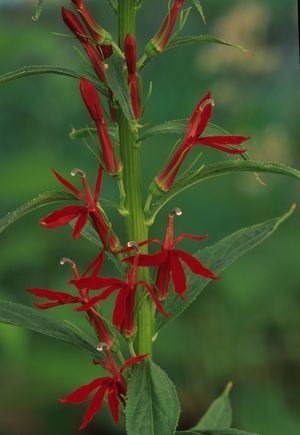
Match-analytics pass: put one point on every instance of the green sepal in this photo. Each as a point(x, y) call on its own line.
point(38, 7)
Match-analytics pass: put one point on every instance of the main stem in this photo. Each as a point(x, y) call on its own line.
point(136, 228)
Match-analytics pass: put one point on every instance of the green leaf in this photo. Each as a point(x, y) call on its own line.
point(117, 83)
point(219, 413)
point(199, 8)
point(39, 5)
point(216, 432)
point(187, 40)
point(30, 318)
point(114, 5)
point(152, 407)
point(40, 201)
point(46, 69)
point(86, 132)
point(226, 167)
point(218, 257)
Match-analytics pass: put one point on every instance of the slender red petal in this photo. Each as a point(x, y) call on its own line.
point(93, 301)
point(113, 403)
point(187, 236)
point(95, 266)
point(54, 295)
point(178, 276)
point(134, 360)
point(95, 405)
point(224, 148)
point(163, 278)
point(82, 393)
point(95, 59)
point(120, 307)
point(195, 266)
point(155, 300)
point(149, 260)
point(98, 183)
point(199, 118)
point(95, 282)
point(80, 224)
point(73, 23)
point(130, 53)
point(68, 185)
point(46, 306)
point(62, 216)
point(222, 140)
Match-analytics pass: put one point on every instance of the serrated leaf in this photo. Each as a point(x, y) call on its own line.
point(117, 83)
point(40, 201)
point(219, 414)
point(199, 8)
point(217, 258)
point(152, 407)
point(39, 5)
point(225, 167)
point(46, 69)
point(187, 40)
point(30, 318)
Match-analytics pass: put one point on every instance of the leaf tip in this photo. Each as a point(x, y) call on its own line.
point(228, 388)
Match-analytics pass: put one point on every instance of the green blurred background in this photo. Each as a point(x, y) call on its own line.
point(244, 328)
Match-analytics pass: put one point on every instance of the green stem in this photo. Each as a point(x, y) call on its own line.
point(136, 228)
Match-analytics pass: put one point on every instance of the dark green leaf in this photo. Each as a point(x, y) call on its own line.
point(40, 201)
point(30, 318)
point(225, 167)
point(186, 40)
point(118, 84)
point(219, 413)
point(114, 5)
point(39, 5)
point(199, 8)
point(218, 257)
point(152, 407)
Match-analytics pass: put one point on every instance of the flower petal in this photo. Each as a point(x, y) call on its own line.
point(113, 403)
point(145, 242)
point(68, 185)
point(149, 260)
point(98, 183)
point(81, 222)
point(188, 236)
point(199, 118)
point(47, 305)
point(222, 140)
point(52, 295)
point(134, 360)
point(96, 265)
point(195, 266)
point(155, 300)
point(95, 405)
point(62, 216)
point(82, 393)
point(120, 307)
point(95, 282)
point(178, 276)
point(93, 301)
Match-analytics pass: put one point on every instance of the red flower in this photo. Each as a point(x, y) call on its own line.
point(123, 315)
point(62, 298)
point(169, 261)
point(196, 126)
point(130, 57)
point(76, 27)
point(92, 103)
point(82, 212)
point(98, 34)
point(161, 39)
point(115, 387)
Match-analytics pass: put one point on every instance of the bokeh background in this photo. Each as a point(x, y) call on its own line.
point(245, 327)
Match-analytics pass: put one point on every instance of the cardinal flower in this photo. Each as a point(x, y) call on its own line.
point(92, 103)
point(62, 298)
point(114, 385)
point(78, 30)
point(82, 212)
point(169, 261)
point(123, 315)
point(197, 124)
point(130, 58)
point(98, 34)
point(161, 39)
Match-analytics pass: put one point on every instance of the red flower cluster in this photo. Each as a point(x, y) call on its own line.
point(197, 124)
point(82, 212)
point(114, 385)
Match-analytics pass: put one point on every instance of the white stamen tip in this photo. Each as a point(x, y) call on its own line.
point(134, 244)
point(210, 101)
point(176, 211)
point(102, 346)
point(77, 171)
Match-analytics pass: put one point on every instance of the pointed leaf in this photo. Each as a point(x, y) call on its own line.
point(152, 407)
point(86, 132)
point(219, 413)
point(187, 40)
point(39, 5)
point(199, 8)
point(40, 201)
point(30, 318)
point(117, 83)
point(217, 258)
point(114, 5)
point(225, 167)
